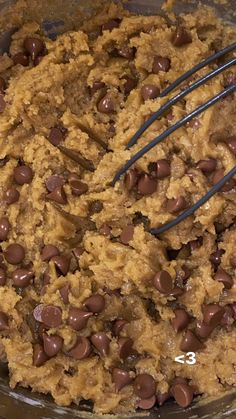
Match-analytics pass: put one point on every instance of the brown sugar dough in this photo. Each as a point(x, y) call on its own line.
point(113, 306)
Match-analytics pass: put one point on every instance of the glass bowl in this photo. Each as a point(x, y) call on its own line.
point(22, 403)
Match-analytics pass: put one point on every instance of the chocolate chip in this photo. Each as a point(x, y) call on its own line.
point(147, 185)
point(162, 169)
point(233, 306)
point(163, 282)
point(78, 319)
point(144, 386)
point(118, 326)
point(121, 378)
point(203, 330)
point(78, 251)
point(178, 380)
point(3, 321)
point(228, 316)
point(56, 136)
point(38, 60)
point(233, 261)
point(129, 85)
point(95, 303)
point(162, 398)
point(217, 176)
point(226, 279)
point(22, 277)
point(97, 85)
point(72, 176)
point(215, 257)
point(2, 85)
point(106, 104)
point(127, 234)
point(82, 349)
point(131, 179)
point(53, 182)
point(2, 103)
point(181, 320)
point(126, 52)
point(49, 251)
point(183, 394)
point(34, 47)
point(21, 58)
point(105, 230)
point(170, 117)
point(39, 356)
point(175, 205)
point(212, 314)
point(23, 175)
point(95, 207)
point(51, 316)
point(4, 228)
point(3, 277)
point(101, 342)
point(78, 188)
point(64, 291)
point(147, 404)
point(160, 64)
point(181, 37)
point(190, 342)
point(229, 79)
point(150, 91)
point(231, 143)
point(125, 347)
point(58, 195)
point(194, 124)
point(14, 253)
point(11, 196)
point(207, 166)
point(62, 264)
point(111, 24)
point(52, 344)
point(37, 313)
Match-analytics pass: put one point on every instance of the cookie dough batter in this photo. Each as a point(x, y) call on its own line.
point(92, 306)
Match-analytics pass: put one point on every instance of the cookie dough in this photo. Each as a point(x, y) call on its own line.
point(92, 306)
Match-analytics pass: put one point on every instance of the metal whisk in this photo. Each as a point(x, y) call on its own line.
point(190, 211)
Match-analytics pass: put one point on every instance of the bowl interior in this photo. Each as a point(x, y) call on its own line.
point(22, 403)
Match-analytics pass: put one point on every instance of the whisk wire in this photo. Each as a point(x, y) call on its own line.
point(173, 128)
point(196, 206)
point(227, 91)
point(178, 97)
point(198, 67)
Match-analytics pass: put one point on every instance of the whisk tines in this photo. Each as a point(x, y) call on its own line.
point(187, 118)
